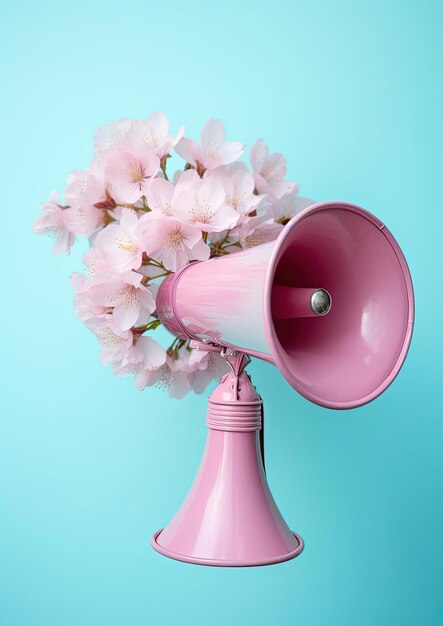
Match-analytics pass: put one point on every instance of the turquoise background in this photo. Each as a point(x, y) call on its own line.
point(351, 93)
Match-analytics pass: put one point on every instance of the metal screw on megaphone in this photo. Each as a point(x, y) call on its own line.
point(293, 302)
point(321, 302)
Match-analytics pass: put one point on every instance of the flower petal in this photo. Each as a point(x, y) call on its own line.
point(212, 136)
point(229, 152)
point(200, 251)
point(258, 155)
point(159, 196)
point(159, 123)
point(154, 356)
point(225, 218)
point(188, 149)
point(211, 194)
point(126, 313)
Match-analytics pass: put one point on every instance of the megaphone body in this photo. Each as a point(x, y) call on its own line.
point(330, 303)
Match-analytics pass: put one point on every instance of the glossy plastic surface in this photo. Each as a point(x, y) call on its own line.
point(341, 360)
point(220, 300)
point(229, 517)
point(349, 356)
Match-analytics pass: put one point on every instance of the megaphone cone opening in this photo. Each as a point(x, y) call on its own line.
point(348, 357)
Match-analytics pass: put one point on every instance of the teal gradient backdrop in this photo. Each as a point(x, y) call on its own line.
point(351, 93)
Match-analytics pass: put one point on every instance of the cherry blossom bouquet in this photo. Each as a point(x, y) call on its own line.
point(141, 226)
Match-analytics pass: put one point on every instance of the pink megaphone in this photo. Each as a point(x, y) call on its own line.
point(330, 303)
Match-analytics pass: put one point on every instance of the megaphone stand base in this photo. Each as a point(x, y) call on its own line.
point(229, 517)
point(226, 563)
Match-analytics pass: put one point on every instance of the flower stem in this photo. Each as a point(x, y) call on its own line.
point(126, 205)
point(175, 346)
point(160, 275)
point(154, 263)
point(139, 330)
point(163, 166)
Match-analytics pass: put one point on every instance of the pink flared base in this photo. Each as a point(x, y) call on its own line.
point(229, 517)
point(280, 558)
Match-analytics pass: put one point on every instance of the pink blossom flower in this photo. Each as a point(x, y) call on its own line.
point(164, 198)
point(126, 353)
point(213, 151)
point(186, 180)
point(130, 174)
point(97, 168)
point(238, 184)
point(111, 134)
point(253, 231)
point(121, 245)
point(154, 356)
point(82, 218)
point(95, 262)
point(141, 227)
point(115, 344)
point(208, 210)
point(189, 369)
point(269, 170)
point(83, 287)
point(152, 135)
point(83, 303)
point(145, 356)
point(131, 302)
point(174, 243)
point(83, 184)
point(208, 366)
point(284, 208)
point(52, 221)
point(169, 377)
point(82, 192)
